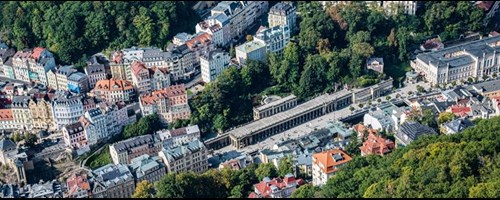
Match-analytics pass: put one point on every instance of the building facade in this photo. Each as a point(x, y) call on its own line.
point(114, 90)
point(191, 156)
point(179, 136)
point(74, 135)
point(113, 181)
point(67, 110)
point(459, 63)
point(170, 103)
point(95, 126)
point(275, 38)
point(283, 14)
point(147, 168)
point(326, 164)
point(253, 50)
point(213, 64)
point(124, 151)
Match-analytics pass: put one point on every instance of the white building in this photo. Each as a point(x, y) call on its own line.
point(190, 156)
point(213, 64)
point(179, 136)
point(253, 50)
point(283, 14)
point(241, 14)
point(62, 75)
point(67, 110)
point(461, 62)
point(95, 126)
point(218, 27)
point(275, 38)
point(116, 116)
point(410, 7)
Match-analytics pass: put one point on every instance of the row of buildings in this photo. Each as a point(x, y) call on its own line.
point(390, 7)
point(147, 157)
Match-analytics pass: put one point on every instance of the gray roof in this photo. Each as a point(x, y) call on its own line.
point(77, 76)
point(257, 125)
point(66, 70)
point(281, 8)
point(471, 49)
point(111, 174)
point(95, 69)
point(410, 131)
point(458, 125)
point(271, 34)
point(130, 143)
point(94, 112)
point(212, 54)
point(74, 128)
point(178, 152)
point(457, 93)
point(221, 18)
point(20, 101)
point(141, 165)
point(7, 144)
point(488, 86)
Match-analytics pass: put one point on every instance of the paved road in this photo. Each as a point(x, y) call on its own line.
point(318, 123)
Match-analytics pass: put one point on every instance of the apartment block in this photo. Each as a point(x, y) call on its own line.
point(283, 14)
point(213, 64)
point(191, 156)
point(326, 164)
point(170, 103)
point(124, 151)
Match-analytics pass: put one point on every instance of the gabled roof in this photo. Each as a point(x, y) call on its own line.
point(458, 125)
point(7, 144)
point(6, 115)
point(331, 158)
point(410, 131)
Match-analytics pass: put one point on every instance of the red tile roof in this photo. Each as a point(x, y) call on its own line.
point(494, 33)
point(461, 111)
point(6, 115)
point(137, 66)
point(376, 145)
point(326, 159)
point(113, 85)
point(202, 39)
point(169, 92)
point(264, 188)
point(37, 52)
point(77, 181)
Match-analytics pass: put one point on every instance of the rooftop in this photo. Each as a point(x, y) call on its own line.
point(277, 102)
point(110, 174)
point(461, 54)
point(178, 152)
point(330, 159)
point(130, 143)
point(250, 46)
point(410, 131)
point(248, 129)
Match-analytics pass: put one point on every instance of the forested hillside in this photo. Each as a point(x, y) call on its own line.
point(74, 30)
point(458, 166)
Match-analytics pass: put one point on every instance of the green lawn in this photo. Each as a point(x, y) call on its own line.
point(100, 159)
point(189, 92)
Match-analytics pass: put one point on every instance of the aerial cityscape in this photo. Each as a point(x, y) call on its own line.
point(249, 99)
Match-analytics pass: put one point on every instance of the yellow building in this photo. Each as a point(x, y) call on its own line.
point(41, 112)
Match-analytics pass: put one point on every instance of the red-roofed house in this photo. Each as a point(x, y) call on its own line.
point(78, 186)
point(6, 119)
point(276, 188)
point(376, 145)
point(201, 45)
point(325, 164)
point(460, 111)
point(170, 103)
point(362, 130)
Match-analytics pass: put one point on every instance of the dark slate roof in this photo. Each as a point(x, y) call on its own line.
point(74, 128)
point(474, 48)
point(20, 101)
point(6, 144)
point(459, 125)
point(126, 145)
point(410, 131)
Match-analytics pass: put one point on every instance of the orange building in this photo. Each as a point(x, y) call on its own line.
point(114, 90)
point(326, 164)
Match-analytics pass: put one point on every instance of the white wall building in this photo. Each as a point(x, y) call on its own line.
point(253, 50)
point(213, 64)
point(67, 110)
point(95, 126)
point(275, 38)
point(283, 14)
point(179, 136)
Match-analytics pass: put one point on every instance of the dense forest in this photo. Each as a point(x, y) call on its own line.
point(74, 30)
point(331, 47)
point(462, 165)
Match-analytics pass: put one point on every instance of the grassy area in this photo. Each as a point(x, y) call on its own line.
point(189, 92)
point(100, 159)
point(397, 70)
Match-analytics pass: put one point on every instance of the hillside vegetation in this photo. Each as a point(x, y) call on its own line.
point(457, 166)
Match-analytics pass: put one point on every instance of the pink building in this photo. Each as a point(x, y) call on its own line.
point(74, 135)
point(276, 188)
